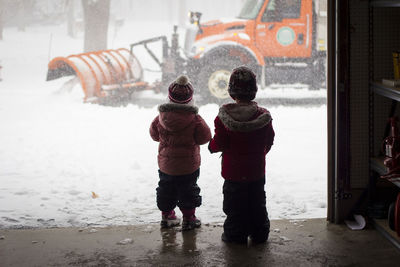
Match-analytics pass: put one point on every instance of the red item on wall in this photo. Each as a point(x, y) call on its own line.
point(391, 147)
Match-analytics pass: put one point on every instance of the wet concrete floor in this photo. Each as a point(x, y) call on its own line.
point(311, 242)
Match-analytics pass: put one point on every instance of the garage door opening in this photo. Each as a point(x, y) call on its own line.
point(67, 162)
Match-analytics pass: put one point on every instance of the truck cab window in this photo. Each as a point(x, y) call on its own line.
point(251, 9)
point(277, 10)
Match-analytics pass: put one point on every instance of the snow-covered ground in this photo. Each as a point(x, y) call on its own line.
point(57, 152)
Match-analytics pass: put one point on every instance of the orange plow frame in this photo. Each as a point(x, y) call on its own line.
point(100, 72)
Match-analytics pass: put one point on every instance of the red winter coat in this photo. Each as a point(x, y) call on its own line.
point(180, 131)
point(244, 134)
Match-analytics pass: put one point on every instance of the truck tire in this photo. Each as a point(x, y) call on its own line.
point(214, 80)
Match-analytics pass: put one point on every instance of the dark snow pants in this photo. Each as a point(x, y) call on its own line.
point(179, 190)
point(246, 213)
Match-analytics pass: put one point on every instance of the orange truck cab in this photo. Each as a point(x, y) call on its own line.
point(276, 38)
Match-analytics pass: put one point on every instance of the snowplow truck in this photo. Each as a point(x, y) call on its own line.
point(277, 39)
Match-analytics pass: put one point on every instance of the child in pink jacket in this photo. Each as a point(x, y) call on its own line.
point(180, 130)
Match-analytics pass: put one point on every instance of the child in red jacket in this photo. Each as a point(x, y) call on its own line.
point(244, 134)
point(180, 130)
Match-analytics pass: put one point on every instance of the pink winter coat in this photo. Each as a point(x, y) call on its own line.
point(180, 131)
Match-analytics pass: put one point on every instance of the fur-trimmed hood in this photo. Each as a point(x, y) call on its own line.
point(175, 117)
point(167, 107)
point(241, 117)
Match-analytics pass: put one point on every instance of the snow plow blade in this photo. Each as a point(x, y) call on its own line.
point(105, 76)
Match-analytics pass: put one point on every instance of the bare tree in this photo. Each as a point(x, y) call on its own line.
point(69, 4)
point(96, 15)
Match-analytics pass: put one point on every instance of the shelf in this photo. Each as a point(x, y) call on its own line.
point(378, 167)
point(383, 36)
point(387, 91)
point(385, 3)
point(382, 226)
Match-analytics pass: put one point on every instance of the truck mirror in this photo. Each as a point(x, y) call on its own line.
point(191, 19)
point(194, 17)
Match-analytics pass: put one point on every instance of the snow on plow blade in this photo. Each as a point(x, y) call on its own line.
point(108, 75)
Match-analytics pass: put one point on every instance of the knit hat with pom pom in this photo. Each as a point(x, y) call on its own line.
point(181, 90)
point(242, 84)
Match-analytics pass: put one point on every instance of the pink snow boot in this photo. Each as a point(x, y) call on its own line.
point(189, 221)
point(169, 219)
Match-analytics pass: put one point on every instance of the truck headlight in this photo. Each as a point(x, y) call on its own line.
point(197, 49)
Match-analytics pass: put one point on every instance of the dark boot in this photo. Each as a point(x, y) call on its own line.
point(228, 239)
